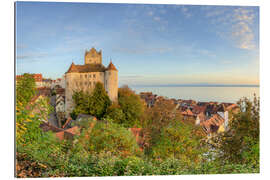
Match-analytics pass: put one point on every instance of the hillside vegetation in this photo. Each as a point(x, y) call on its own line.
point(107, 147)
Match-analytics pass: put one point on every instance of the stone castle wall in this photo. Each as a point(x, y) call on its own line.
point(80, 81)
point(92, 57)
point(111, 84)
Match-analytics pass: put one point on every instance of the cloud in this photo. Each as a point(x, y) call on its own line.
point(32, 55)
point(235, 24)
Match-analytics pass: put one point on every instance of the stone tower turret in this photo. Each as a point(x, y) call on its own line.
point(92, 57)
point(111, 82)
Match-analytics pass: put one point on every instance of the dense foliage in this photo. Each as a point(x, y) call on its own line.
point(95, 103)
point(240, 144)
point(180, 141)
point(25, 89)
point(105, 136)
point(131, 106)
point(107, 148)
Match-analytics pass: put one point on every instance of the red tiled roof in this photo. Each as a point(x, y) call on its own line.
point(230, 107)
point(188, 112)
point(215, 121)
point(68, 133)
point(111, 67)
point(60, 135)
point(86, 68)
point(74, 130)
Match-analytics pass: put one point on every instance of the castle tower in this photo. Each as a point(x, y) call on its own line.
point(92, 57)
point(111, 82)
point(84, 78)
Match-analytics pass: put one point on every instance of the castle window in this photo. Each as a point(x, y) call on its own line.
point(89, 75)
point(86, 76)
point(67, 84)
point(90, 83)
point(81, 83)
point(94, 76)
point(85, 83)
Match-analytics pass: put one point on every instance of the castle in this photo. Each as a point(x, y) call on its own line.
point(84, 77)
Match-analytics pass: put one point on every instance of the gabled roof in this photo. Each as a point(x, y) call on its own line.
point(212, 124)
point(86, 68)
point(48, 127)
point(68, 133)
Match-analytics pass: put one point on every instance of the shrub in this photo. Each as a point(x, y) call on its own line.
point(108, 137)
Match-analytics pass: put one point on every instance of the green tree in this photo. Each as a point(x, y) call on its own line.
point(100, 101)
point(115, 113)
point(181, 141)
point(95, 104)
point(240, 144)
point(82, 103)
point(131, 105)
point(105, 136)
point(157, 117)
point(25, 89)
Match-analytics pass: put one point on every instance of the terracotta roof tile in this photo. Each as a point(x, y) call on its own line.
point(86, 68)
point(111, 67)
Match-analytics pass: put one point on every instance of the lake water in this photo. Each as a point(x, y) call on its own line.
point(218, 94)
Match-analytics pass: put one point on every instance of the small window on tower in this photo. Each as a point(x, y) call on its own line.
point(86, 76)
point(89, 75)
point(94, 76)
point(90, 83)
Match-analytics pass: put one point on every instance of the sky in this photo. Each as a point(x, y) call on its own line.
point(149, 44)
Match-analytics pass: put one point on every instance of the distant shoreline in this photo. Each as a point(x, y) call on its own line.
point(195, 85)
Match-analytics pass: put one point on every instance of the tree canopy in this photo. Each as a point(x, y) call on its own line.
point(240, 144)
point(25, 89)
point(95, 103)
point(131, 105)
